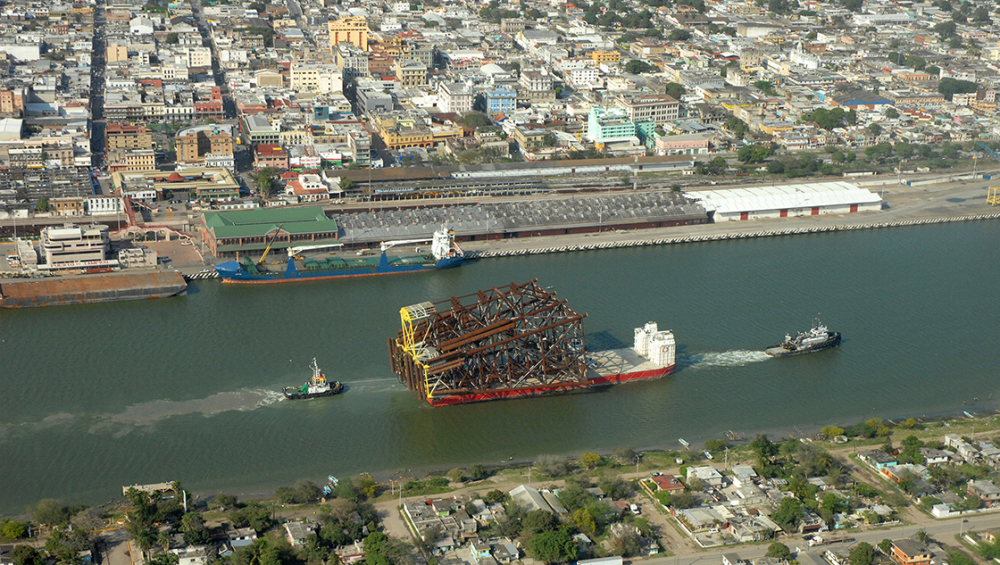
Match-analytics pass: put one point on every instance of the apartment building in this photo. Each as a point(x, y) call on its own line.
point(660, 108)
point(349, 29)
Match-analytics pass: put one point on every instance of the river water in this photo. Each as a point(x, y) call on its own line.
point(99, 396)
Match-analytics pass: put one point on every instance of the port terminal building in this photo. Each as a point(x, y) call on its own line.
point(234, 234)
point(792, 200)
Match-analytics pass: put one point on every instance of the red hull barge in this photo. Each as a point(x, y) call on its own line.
point(597, 382)
point(512, 342)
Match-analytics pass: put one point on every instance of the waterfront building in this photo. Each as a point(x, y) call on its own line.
point(233, 234)
point(74, 243)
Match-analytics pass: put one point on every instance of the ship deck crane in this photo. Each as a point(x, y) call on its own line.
point(267, 249)
point(385, 245)
point(992, 192)
point(294, 251)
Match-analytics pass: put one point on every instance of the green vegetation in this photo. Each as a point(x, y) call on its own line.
point(752, 154)
point(830, 119)
point(303, 492)
point(766, 87)
point(862, 554)
point(950, 87)
point(675, 91)
point(738, 127)
point(638, 67)
point(266, 180)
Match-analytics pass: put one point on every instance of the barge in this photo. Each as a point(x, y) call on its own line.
point(513, 342)
point(90, 289)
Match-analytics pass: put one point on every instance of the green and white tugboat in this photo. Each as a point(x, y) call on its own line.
point(315, 387)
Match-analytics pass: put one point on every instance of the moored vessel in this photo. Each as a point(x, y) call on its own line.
point(306, 263)
point(816, 339)
point(316, 387)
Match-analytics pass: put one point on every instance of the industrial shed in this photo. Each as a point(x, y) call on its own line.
point(760, 202)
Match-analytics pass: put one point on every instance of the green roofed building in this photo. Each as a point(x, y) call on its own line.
point(233, 234)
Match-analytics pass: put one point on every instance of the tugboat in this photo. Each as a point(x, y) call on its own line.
point(816, 339)
point(315, 387)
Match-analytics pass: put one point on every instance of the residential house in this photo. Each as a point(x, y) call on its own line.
point(910, 552)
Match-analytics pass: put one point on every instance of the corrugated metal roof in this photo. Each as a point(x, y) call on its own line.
point(790, 196)
point(262, 221)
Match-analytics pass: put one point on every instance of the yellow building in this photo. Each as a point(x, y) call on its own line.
point(349, 29)
point(399, 133)
point(606, 57)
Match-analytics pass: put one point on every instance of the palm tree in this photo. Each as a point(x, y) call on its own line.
point(164, 539)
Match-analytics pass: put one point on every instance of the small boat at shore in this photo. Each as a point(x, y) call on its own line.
point(816, 339)
point(316, 387)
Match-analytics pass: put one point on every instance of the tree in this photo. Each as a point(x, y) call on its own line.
point(549, 140)
point(678, 34)
point(766, 87)
point(833, 431)
point(862, 554)
point(775, 167)
point(778, 550)
point(752, 154)
point(538, 521)
point(552, 466)
point(584, 521)
point(716, 444)
point(42, 205)
point(591, 459)
point(626, 542)
point(875, 129)
point(891, 113)
point(737, 126)
point(226, 501)
point(789, 513)
point(664, 498)
point(172, 38)
point(26, 555)
point(496, 496)
point(933, 70)
point(945, 29)
point(477, 472)
point(675, 91)
point(682, 500)
point(475, 120)
point(347, 184)
point(949, 87)
point(637, 67)
point(13, 529)
point(556, 546)
point(625, 455)
point(265, 179)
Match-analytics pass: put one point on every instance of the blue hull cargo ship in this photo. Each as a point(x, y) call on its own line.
point(444, 254)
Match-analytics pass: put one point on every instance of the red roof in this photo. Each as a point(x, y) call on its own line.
point(286, 175)
point(668, 482)
point(174, 177)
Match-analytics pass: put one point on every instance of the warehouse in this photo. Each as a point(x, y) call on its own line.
point(232, 234)
point(762, 202)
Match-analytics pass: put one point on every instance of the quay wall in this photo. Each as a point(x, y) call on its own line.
point(724, 237)
point(692, 239)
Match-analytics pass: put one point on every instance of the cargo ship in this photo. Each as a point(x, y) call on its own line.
point(514, 342)
point(315, 387)
point(307, 263)
point(818, 338)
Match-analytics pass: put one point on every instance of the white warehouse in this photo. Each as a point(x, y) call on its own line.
point(760, 202)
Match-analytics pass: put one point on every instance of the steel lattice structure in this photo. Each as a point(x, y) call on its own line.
point(499, 340)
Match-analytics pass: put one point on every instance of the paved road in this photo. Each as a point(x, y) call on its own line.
point(943, 531)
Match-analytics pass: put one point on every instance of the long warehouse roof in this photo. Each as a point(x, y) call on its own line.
point(789, 196)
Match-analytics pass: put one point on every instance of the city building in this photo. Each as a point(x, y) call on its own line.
point(205, 146)
point(609, 125)
point(411, 73)
point(455, 97)
point(127, 136)
point(267, 155)
point(660, 108)
point(315, 77)
point(122, 159)
point(71, 243)
point(500, 100)
point(349, 29)
point(258, 129)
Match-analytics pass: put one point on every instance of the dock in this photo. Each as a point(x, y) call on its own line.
point(90, 289)
point(151, 488)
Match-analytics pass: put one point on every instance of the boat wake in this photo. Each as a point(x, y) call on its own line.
point(146, 413)
point(737, 358)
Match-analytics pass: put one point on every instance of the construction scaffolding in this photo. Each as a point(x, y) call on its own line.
point(490, 344)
